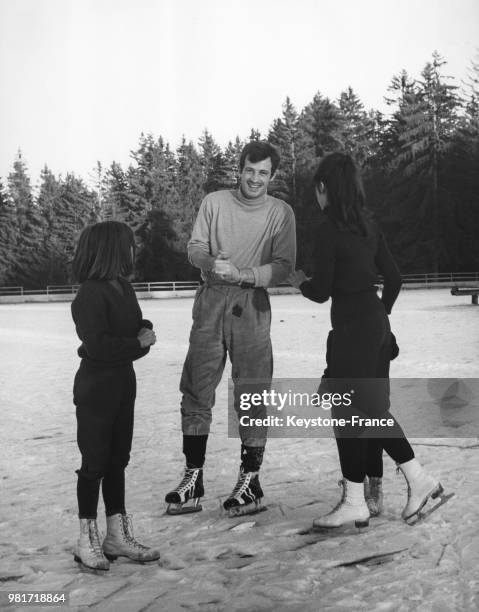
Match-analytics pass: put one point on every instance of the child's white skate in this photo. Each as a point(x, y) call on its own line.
point(89, 553)
point(421, 487)
point(423, 512)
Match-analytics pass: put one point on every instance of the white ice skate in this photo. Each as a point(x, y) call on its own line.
point(421, 487)
point(120, 542)
point(89, 552)
point(351, 508)
point(186, 497)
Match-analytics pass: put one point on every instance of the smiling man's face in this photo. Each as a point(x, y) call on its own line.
point(255, 178)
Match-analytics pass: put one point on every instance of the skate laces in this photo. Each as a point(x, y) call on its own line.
point(128, 532)
point(343, 497)
point(188, 481)
point(399, 471)
point(95, 538)
point(242, 484)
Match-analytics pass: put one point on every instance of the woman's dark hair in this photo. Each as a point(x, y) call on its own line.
point(346, 201)
point(104, 252)
point(256, 151)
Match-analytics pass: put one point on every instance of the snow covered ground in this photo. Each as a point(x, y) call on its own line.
point(209, 562)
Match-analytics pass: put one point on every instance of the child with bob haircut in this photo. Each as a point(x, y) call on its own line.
point(113, 333)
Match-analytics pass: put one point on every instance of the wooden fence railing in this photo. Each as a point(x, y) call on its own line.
point(445, 279)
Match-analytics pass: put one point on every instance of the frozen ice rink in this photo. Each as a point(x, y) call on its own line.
point(209, 562)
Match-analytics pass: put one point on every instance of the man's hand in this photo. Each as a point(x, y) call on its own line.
point(297, 278)
point(225, 269)
point(146, 337)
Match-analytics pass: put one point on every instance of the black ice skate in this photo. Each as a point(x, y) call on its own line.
point(246, 497)
point(186, 497)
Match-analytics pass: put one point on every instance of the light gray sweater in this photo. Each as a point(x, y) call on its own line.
point(258, 234)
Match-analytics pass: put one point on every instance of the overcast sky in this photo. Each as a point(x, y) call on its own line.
point(81, 79)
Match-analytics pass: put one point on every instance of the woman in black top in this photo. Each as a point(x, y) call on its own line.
point(113, 333)
point(350, 249)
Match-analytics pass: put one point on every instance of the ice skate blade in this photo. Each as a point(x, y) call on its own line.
point(88, 567)
point(177, 509)
point(421, 515)
point(359, 525)
point(248, 509)
point(113, 558)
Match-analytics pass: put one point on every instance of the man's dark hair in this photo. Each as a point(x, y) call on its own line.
point(104, 252)
point(256, 151)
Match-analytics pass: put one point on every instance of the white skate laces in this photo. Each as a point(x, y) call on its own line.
point(120, 541)
point(351, 508)
point(187, 484)
point(247, 495)
point(95, 539)
point(343, 497)
point(127, 528)
point(242, 491)
point(89, 551)
point(185, 497)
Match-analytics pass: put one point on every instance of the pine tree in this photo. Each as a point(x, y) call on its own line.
point(28, 257)
point(8, 235)
point(469, 123)
point(50, 204)
point(156, 208)
point(98, 181)
point(152, 181)
point(189, 185)
point(283, 135)
point(358, 128)
point(402, 95)
point(231, 162)
point(460, 171)
point(428, 116)
point(158, 260)
point(116, 194)
point(75, 208)
point(143, 189)
point(140, 179)
point(216, 171)
point(319, 127)
point(20, 188)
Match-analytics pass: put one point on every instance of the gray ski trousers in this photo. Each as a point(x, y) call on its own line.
point(226, 320)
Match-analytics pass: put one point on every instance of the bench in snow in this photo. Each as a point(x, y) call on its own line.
point(473, 291)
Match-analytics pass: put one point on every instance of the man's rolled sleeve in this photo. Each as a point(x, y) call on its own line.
point(283, 255)
point(199, 245)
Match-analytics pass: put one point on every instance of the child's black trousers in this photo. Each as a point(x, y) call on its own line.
point(104, 398)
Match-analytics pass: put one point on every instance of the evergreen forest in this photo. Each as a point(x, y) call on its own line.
point(420, 164)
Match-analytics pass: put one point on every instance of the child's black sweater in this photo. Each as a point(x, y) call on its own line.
point(346, 268)
point(108, 323)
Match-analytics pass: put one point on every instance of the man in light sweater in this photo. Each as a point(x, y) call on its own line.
point(243, 241)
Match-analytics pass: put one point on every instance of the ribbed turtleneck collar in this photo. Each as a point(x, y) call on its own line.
point(250, 201)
